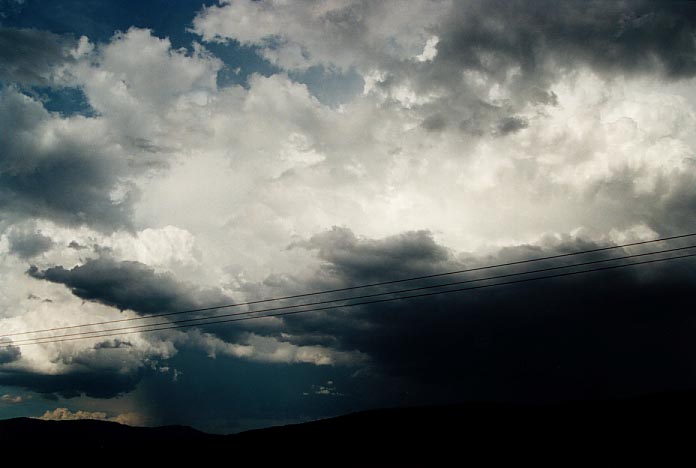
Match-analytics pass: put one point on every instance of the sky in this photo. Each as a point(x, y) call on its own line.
point(159, 156)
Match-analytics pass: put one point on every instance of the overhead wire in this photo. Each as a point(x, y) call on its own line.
point(348, 288)
point(175, 325)
point(367, 296)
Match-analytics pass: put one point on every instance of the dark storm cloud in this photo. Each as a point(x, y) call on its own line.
point(599, 334)
point(434, 123)
point(67, 178)
point(28, 244)
point(28, 56)
point(94, 383)
point(349, 256)
point(538, 37)
point(527, 46)
point(130, 285)
point(113, 344)
point(511, 125)
point(8, 353)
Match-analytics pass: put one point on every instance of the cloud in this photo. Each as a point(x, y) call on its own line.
point(30, 56)
point(8, 352)
point(82, 170)
point(628, 37)
point(346, 254)
point(28, 244)
point(130, 285)
point(492, 37)
point(12, 399)
point(551, 339)
point(93, 379)
point(262, 347)
point(434, 122)
point(511, 125)
point(484, 131)
point(485, 59)
point(344, 34)
point(327, 389)
point(142, 86)
point(130, 419)
point(59, 169)
point(98, 367)
point(64, 414)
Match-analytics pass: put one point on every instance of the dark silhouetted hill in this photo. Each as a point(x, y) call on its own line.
point(656, 428)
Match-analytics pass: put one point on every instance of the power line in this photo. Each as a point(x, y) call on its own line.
point(171, 325)
point(365, 296)
point(351, 288)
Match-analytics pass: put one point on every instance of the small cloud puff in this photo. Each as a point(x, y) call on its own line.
point(64, 414)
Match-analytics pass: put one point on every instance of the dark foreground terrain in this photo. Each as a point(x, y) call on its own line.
point(658, 429)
